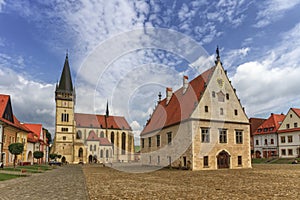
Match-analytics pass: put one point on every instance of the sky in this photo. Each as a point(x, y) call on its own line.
point(126, 52)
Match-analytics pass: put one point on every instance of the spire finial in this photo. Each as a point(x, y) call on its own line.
point(159, 96)
point(67, 53)
point(107, 111)
point(218, 53)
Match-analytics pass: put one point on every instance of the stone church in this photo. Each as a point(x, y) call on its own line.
point(88, 138)
point(200, 126)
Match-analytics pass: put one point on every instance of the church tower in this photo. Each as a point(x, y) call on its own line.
point(64, 118)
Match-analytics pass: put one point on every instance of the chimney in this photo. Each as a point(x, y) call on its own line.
point(168, 94)
point(185, 83)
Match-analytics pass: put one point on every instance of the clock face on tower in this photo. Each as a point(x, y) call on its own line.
point(220, 82)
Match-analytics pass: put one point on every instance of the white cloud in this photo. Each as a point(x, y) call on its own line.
point(272, 83)
point(32, 101)
point(272, 10)
point(2, 4)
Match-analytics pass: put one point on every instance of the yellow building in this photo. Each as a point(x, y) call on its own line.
point(87, 137)
point(200, 126)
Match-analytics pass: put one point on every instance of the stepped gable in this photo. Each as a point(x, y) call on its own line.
point(181, 105)
point(270, 125)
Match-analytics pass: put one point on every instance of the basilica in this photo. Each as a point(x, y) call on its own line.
point(88, 138)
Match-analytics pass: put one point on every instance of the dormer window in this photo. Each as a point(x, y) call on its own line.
point(271, 129)
point(259, 130)
point(265, 129)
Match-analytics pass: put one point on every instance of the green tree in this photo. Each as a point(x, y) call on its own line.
point(53, 156)
point(38, 155)
point(48, 136)
point(16, 149)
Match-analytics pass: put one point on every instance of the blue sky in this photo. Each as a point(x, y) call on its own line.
point(258, 40)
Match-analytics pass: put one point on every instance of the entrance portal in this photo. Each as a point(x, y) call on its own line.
point(90, 158)
point(223, 159)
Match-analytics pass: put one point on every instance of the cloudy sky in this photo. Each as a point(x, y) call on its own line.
point(125, 52)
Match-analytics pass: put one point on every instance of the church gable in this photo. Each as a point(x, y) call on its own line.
point(219, 101)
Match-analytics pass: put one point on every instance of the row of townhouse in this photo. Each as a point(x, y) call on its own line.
point(33, 136)
point(278, 136)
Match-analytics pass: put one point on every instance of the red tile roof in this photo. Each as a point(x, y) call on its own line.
point(4, 100)
point(102, 141)
point(98, 121)
point(271, 125)
point(180, 106)
point(254, 124)
point(297, 111)
point(36, 130)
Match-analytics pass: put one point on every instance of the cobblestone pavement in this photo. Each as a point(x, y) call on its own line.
point(65, 182)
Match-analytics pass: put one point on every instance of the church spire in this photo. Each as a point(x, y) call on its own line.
point(65, 83)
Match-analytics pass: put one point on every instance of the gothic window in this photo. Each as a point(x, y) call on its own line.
point(80, 153)
point(123, 143)
point(107, 153)
point(102, 134)
point(78, 135)
point(64, 117)
point(112, 137)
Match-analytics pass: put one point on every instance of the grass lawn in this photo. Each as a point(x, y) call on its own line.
point(30, 168)
point(4, 177)
point(274, 160)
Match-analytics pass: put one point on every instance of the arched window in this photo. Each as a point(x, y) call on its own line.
point(102, 134)
point(80, 153)
point(112, 137)
point(78, 135)
point(107, 153)
point(101, 153)
point(123, 143)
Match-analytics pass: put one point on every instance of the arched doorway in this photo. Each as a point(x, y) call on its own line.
point(223, 159)
point(90, 158)
point(80, 154)
point(257, 154)
point(29, 157)
point(63, 159)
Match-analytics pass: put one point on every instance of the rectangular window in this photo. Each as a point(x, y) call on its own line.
point(206, 108)
point(239, 137)
point(205, 135)
point(257, 142)
point(290, 139)
point(272, 141)
point(64, 137)
point(149, 142)
point(227, 96)
point(222, 136)
point(64, 129)
point(287, 126)
point(295, 125)
point(64, 117)
point(169, 137)
point(143, 142)
point(282, 139)
point(205, 161)
point(221, 111)
point(283, 152)
point(266, 141)
point(240, 160)
point(290, 152)
point(158, 140)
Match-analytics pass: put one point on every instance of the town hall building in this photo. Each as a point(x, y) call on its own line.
point(200, 126)
point(88, 138)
